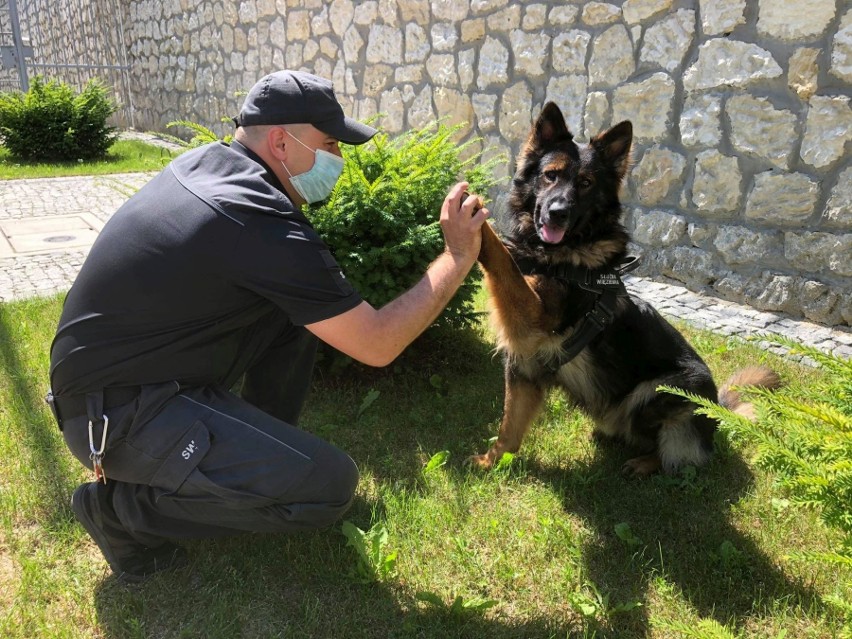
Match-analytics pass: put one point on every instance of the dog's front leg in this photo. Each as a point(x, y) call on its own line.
point(518, 312)
point(521, 406)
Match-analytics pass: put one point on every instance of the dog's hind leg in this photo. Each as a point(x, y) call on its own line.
point(522, 404)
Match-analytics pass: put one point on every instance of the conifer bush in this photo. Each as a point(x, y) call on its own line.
point(805, 438)
point(52, 123)
point(381, 220)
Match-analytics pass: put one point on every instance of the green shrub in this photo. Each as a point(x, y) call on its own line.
point(381, 220)
point(50, 123)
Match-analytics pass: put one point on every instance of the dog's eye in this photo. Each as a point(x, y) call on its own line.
point(585, 183)
point(551, 176)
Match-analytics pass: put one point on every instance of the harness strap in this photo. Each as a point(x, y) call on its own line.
point(607, 287)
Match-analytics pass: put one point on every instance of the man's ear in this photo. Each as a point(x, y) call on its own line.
point(276, 142)
point(614, 146)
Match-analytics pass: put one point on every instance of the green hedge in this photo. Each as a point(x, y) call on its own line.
point(381, 220)
point(51, 123)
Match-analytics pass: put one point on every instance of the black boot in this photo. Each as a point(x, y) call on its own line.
point(130, 560)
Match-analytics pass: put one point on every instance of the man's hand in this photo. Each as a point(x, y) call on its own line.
point(461, 223)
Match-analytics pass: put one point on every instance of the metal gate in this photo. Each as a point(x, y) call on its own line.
point(68, 40)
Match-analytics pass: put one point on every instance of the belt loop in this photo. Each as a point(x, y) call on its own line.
point(95, 406)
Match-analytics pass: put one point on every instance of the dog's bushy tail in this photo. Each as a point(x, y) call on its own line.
point(760, 376)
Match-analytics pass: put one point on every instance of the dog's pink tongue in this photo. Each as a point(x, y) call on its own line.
point(552, 235)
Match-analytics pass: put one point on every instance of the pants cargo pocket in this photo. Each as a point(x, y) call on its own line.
point(183, 458)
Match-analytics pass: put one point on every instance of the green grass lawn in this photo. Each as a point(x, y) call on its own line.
point(125, 156)
point(554, 544)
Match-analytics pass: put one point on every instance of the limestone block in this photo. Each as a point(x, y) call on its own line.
point(320, 24)
point(636, 11)
point(341, 13)
point(815, 251)
point(530, 51)
point(388, 11)
point(569, 93)
point(658, 228)
point(827, 130)
point(384, 45)
point(699, 120)
point(775, 293)
point(417, 45)
point(310, 51)
point(420, 113)
point(277, 34)
point(266, 8)
point(597, 114)
point(472, 30)
point(597, 13)
point(819, 303)
point(366, 13)
point(409, 73)
point(690, 265)
point(298, 26)
point(450, 10)
point(353, 43)
point(723, 62)
point(841, 50)
point(647, 104)
point(612, 57)
point(366, 108)
point(505, 20)
point(493, 64)
point(782, 199)
point(838, 211)
point(456, 107)
point(515, 112)
point(444, 36)
point(666, 42)
point(698, 233)
point(485, 6)
point(465, 68)
point(484, 106)
point(376, 78)
point(762, 130)
point(656, 173)
point(534, 17)
point(248, 12)
point(739, 245)
point(569, 51)
point(328, 47)
point(563, 16)
point(442, 69)
point(418, 11)
point(799, 20)
point(803, 73)
point(717, 187)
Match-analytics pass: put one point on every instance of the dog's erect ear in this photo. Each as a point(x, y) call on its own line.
point(550, 127)
point(615, 145)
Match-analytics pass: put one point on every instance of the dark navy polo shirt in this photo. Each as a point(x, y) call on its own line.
point(188, 271)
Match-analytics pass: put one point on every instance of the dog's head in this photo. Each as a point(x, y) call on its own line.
point(565, 194)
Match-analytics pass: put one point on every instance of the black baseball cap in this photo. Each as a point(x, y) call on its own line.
point(296, 97)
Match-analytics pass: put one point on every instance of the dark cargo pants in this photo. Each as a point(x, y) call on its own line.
point(203, 462)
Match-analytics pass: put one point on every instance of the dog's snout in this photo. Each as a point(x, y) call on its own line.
point(558, 211)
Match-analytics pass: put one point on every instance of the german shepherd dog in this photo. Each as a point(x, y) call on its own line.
point(564, 319)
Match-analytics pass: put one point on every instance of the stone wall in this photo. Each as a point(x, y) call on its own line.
point(742, 178)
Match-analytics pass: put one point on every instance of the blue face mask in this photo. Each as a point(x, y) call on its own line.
point(317, 183)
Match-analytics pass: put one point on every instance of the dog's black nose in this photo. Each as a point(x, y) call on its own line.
point(558, 212)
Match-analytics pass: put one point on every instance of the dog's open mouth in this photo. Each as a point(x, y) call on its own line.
point(551, 234)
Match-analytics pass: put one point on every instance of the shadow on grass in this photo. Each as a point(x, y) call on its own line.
point(679, 538)
point(40, 439)
point(294, 586)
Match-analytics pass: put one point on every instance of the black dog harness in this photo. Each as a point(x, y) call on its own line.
point(607, 287)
